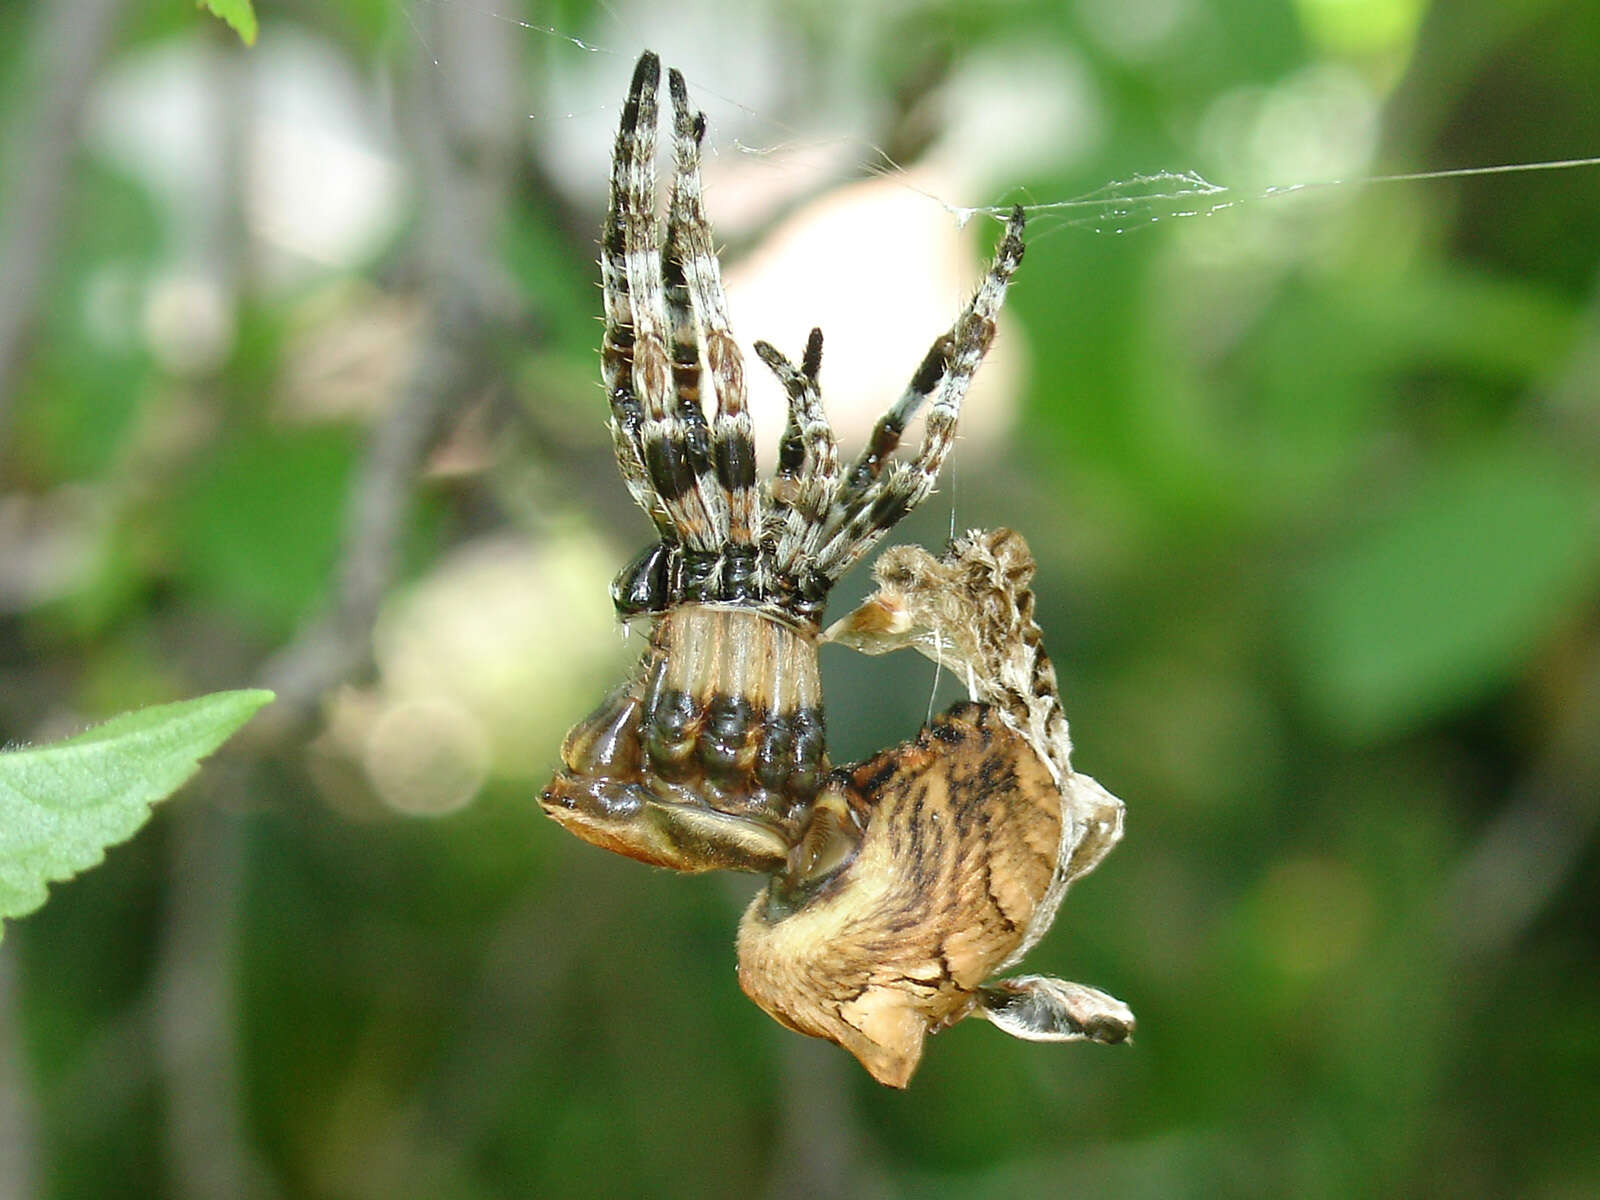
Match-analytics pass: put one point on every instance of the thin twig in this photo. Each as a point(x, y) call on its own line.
point(17, 1118)
point(1533, 845)
point(1528, 853)
point(822, 1149)
point(338, 645)
point(193, 1004)
point(467, 301)
point(68, 45)
point(195, 1008)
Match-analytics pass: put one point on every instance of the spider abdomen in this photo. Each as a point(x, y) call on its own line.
point(710, 755)
point(957, 840)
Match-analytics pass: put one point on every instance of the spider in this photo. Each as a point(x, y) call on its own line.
point(710, 755)
point(898, 885)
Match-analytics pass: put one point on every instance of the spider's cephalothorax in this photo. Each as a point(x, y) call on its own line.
point(711, 753)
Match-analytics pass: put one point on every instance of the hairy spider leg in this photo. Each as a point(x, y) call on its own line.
point(693, 432)
point(886, 434)
point(733, 449)
point(854, 529)
point(806, 482)
point(671, 473)
point(620, 337)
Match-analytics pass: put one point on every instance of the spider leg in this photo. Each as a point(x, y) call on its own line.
point(733, 453)
point(886, 434)
point(866, 515)
point(664, 437)
point(806, 482)
point(695, 434)
point(620, 338)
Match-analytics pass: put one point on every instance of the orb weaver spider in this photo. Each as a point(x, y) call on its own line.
point(899, 885)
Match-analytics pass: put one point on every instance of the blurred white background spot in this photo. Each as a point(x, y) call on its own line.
point(323, 187)
point(514, 636)
point(426, 757)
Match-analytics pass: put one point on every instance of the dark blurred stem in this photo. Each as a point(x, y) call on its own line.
point(1532, 847)
point(463, 147)
point(820, 1150)
point(69, 41)
point(475, 1075)
point(194, 1006)
point(1530, 850)
point(196, 1012)
point(467, 300)
point(16, 1114)
point(338, 644)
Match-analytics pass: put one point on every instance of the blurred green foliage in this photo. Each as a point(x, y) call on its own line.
point(1314, 482)
point(239, 16)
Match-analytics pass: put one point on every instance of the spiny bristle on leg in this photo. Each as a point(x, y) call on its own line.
point(617, 344)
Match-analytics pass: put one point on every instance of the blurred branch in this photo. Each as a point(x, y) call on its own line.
point(16, 1116)
point(194, 1004)
point(195, 1008)
point(1531, 848)
point(474, 1074)
point(1573, 396)
point(69, 43)
point(338, 644)
point(821, 1149)
point(463, 191)
point(210, 1149)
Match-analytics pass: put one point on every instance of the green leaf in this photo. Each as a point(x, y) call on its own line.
point(1446, 595)
point(238, 14)
point(62, 805)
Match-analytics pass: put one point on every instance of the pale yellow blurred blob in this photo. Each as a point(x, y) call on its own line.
point(350, 348)
point(427, 757)
point(188, 322)
point(885, 265)
point(482, 666)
